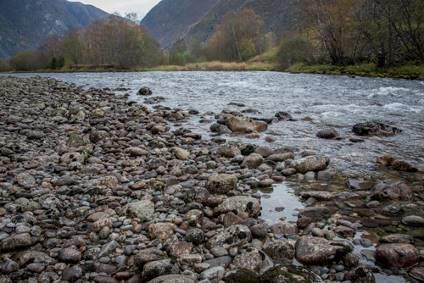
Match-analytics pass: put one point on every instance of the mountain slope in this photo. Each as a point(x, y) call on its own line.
point(168, 16)
point(172, 19)
point(25, 24)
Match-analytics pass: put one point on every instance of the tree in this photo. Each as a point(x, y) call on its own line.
point(238, 37)
point(294, 50)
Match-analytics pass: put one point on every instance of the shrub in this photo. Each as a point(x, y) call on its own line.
point(293, 51)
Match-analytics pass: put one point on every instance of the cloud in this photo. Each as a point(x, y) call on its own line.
point(141, 7)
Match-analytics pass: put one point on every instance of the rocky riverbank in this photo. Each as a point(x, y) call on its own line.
point(95, 188)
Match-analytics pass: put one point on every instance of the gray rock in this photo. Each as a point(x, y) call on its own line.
point(314, 251)
point(413, 220)
point(235, 235)
point(240, 204)
point(155, 269)
point(396, 255)
point(253, 161)
point(16, 241)
point(222, 183)
point(70, 255)
point(144, 210)
point(172, 278)
point(215, 273)
point(311, 163)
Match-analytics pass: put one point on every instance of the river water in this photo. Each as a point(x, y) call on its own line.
point(315, 101)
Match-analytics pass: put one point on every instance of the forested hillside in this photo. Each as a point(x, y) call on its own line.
point(25, 24)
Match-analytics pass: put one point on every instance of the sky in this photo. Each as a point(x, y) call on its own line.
point(141, 7)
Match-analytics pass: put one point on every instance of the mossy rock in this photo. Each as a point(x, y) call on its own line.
point(243, 276)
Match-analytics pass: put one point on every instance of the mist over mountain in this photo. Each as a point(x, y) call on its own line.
point(26, 24)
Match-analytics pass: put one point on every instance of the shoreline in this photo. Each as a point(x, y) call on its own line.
point(98, 188)
point(412, 72)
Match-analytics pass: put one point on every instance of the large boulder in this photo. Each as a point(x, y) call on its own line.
point(396, 255)
point(311, 163)
point(144, 210)
point(314, 251)
point(374, 128)
point(241, 205)
point(244, 125)
point(221, 183)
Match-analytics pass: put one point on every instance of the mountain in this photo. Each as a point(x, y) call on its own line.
point(26, 24)
point(172, 19)
point(196, 20)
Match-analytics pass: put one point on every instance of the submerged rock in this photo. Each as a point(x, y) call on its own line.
point(145, 91)
point(328, 134)
point(375, 128)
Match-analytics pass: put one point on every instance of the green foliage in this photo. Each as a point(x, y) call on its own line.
point(294, 50)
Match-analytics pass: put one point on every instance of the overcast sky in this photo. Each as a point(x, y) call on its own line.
point(141, 7)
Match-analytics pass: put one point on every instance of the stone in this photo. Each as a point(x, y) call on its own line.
point(144, 210)
point(284, 229)
point(312, 214)
point(72, 273)
point(413, 220)
point(181, 153)
point(162, 231)
point(314, 251)
point(417, 273)
point(396, 255)
point(25, 180)
point(244, 125)
point(221, 183)
point(250, 260)
point(154, 269)
point(70, 255)
point(144, 91)
point(375, 128)
point(253, 161)
point(311, 163)
point(391, 191)
point(179, 248)
point(16, 241)
point(172, 278)
point(195, 236)
point(327, 134)
point(228, 151)
point(214, 274)
point(279, 250)
point(240, 204)
point(280, 157)
point(318, 195)
point(235, 235)
point(148, 255)
point(283, 116)
point(397, 238)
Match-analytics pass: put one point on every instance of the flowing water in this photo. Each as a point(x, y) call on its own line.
point(315, 101)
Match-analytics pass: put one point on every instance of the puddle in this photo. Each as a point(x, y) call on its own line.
point(280, 203)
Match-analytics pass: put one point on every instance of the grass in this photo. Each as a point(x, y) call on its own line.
point(366, 70)
point(218, 66)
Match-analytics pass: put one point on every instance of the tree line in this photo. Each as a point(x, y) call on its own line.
point(338, 32)
point(114, 42)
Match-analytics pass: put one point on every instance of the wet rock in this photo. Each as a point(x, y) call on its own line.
point(222, 183)
point(318, 195)
point(396, 255)
point(253, 161)
point(413, 220)
point(375, 128)
point(228, 151)
point(283, 116)
point(311, 163)
point(235, 235)
point(391, 191)
point(241, 205)
point(69, 255)
point(220, 129)
point(395, 164)
point(328, 134)
point(244, 125)
point(312, 214)
point(144, 210)
point(284, 229)
point(314, 251)
point(145, 91)
point(173, 278)
point(279, 250)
